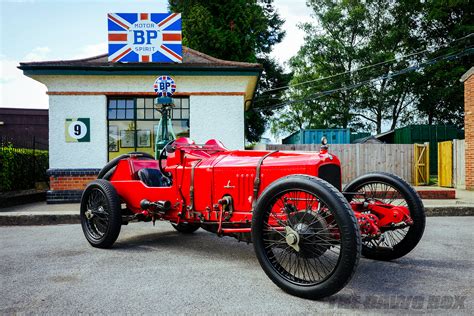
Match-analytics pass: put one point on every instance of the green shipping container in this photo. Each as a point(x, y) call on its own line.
point(433, 134)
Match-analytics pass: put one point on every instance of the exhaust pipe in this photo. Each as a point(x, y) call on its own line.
point(161, 206)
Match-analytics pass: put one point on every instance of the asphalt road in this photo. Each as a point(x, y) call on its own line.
point(52, 269)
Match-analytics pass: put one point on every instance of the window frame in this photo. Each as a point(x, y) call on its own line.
point(136, 119)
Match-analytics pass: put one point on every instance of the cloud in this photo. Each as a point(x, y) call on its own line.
point(294, 13)
point(92, 50)
point(17, 90)
point(20, 91)
point(37, 54)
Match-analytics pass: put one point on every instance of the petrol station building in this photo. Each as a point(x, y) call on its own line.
point(111, 106)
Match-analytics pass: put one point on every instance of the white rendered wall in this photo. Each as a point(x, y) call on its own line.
point(77, 155)
point(211, 116)
point(92, 83)
point(219, 117)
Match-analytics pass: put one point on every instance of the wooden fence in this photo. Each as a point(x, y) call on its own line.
point(358, 159)
point(459, 164)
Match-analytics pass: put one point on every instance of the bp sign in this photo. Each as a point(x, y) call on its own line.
point(164, 86)
point(145, 37)
point(77, 130)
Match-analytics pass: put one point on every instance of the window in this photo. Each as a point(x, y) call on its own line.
point(132, 124)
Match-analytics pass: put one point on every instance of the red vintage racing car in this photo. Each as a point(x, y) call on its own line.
point(307, 232)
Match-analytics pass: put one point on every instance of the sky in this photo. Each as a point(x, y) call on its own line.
point(36, 30)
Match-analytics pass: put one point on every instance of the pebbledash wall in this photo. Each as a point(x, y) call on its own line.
point(218, 93)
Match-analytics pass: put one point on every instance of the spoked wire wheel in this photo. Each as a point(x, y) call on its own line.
point(385, 193)
point(97, 214)
point(101, 217)
point(301, 237)
point(305, 236)
point(389, 189)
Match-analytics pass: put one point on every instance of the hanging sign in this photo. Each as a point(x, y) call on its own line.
point(77, 130)
point(145, 37)
point(164, 86)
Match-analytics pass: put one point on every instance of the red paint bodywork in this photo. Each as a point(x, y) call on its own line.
point(219, 172)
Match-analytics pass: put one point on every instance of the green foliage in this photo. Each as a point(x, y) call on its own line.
point(21, 168)
point(441, 95)
point(240, 30)
point(349, 35)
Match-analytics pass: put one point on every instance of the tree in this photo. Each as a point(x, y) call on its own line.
point(241, 30)
point(349, 35)
point(325, 53)
point(352, 35)
point(440, 94)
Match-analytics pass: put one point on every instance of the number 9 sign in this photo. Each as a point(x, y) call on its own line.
point(77, 130)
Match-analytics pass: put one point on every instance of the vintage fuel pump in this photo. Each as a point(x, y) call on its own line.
point(164, 87)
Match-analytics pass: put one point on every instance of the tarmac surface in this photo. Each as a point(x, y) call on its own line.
point(155, 270)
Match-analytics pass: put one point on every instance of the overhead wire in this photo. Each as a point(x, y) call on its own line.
point(320, 94)
point(367, 67)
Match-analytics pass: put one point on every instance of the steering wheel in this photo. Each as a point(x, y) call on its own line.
point(163, 155)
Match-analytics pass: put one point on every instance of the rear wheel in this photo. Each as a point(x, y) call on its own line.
point(389, 189)
point(305, 236)
point(101, 218)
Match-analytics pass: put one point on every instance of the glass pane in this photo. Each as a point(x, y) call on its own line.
point(121, 104)
point(120, 114)
point(145, 136)
point(112, 104)
point(140, 103)
point(130, 104)
point(121, 138)
point(130, 114)
point(185, 113)
point(140, 114)
point(112, 114)
point(176, 114)
point(181, 128)
point(149, 103)
point(185, 103)
point(149, 114)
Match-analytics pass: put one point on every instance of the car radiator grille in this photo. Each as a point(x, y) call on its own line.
point(332, 174)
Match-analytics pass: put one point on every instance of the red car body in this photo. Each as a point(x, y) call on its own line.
point(204, 175)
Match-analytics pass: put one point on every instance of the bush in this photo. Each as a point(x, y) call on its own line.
point(20, 168)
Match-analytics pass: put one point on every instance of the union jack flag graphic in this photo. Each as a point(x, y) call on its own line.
point(145, 37)
point(164, 86)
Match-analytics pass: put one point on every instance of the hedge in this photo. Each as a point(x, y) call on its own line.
point(20, 168)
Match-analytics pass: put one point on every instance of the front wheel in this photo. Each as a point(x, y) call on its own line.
point(306, 236)
point(392, 190)
point(101, 217)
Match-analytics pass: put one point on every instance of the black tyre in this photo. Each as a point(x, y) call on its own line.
point(306, 236)
point(390, 189)
point(186, 228)
point(100, 214)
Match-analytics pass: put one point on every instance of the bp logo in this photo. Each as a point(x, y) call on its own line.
point(77, 130)
point(145, 37)
point(164, 86)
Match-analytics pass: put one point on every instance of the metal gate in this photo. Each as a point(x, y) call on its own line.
point(421, 172)
point(445, 164)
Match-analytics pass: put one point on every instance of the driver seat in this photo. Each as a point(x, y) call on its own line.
point(153, 177)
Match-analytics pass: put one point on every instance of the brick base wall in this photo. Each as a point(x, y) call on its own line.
point(469, 130)
point(67, 185)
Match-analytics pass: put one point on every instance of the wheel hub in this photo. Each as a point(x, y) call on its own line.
point(89, 214)
point(292, 238)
